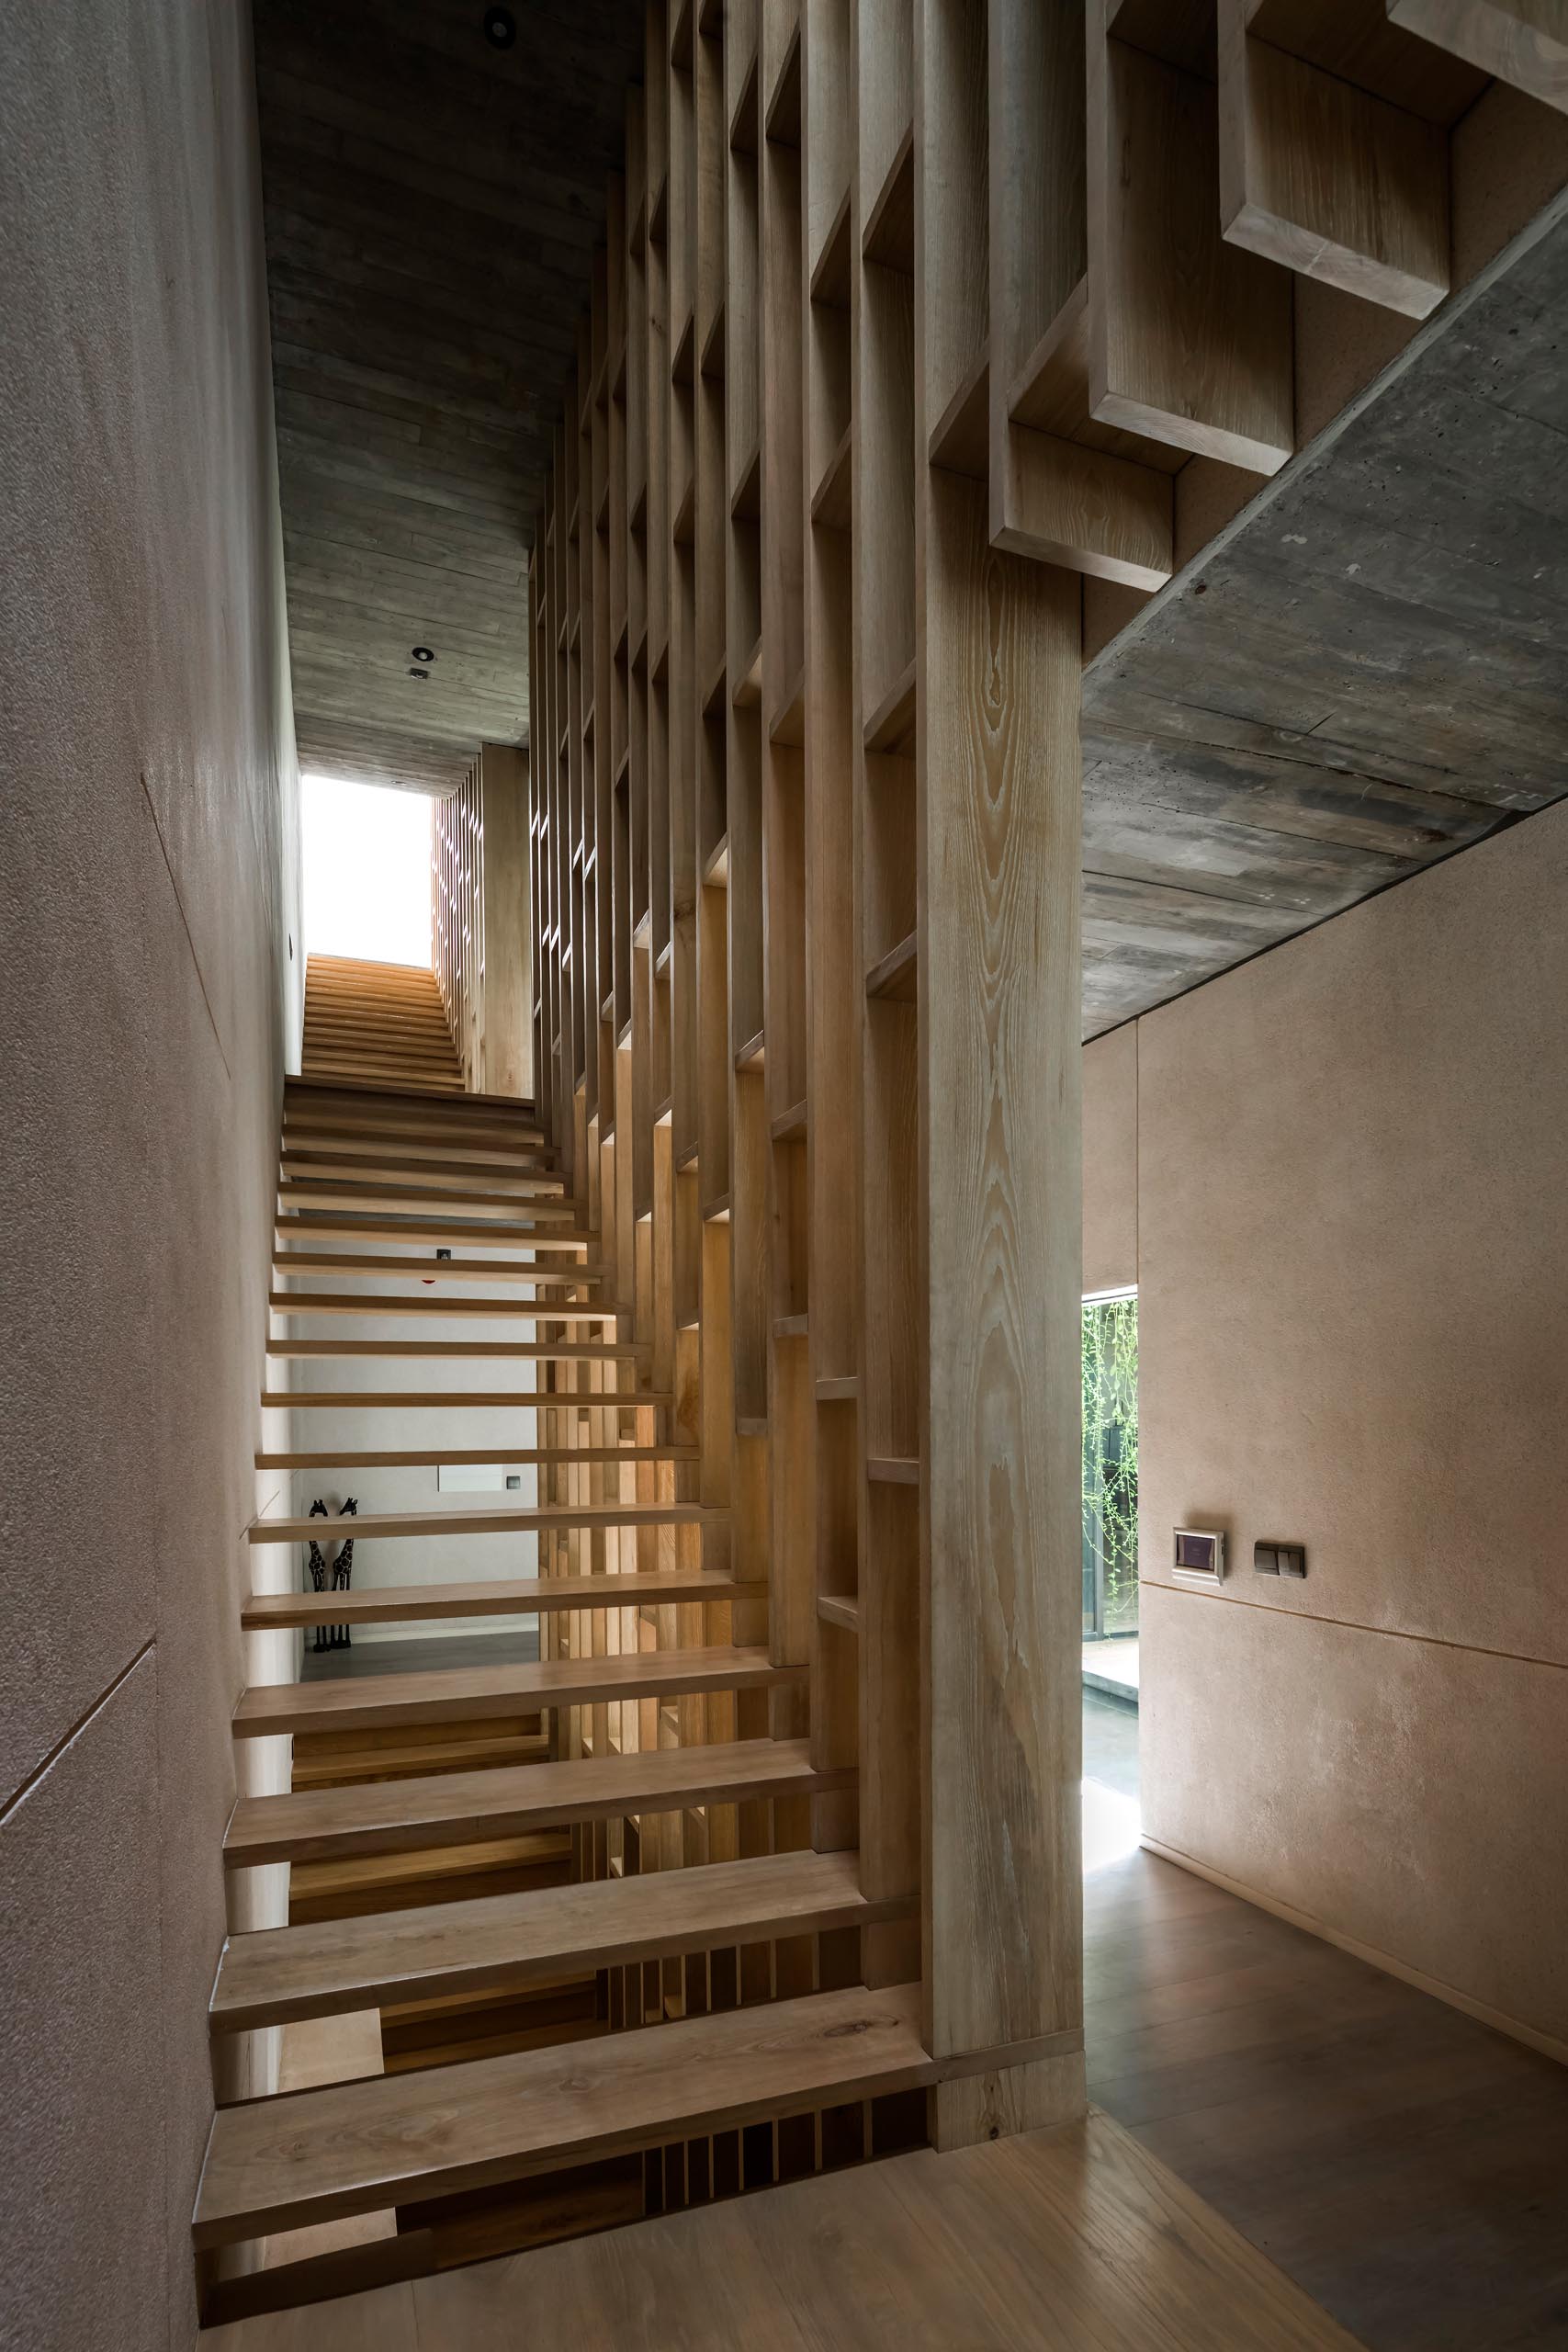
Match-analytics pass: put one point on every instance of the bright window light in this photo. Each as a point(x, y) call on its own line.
point(366, 855)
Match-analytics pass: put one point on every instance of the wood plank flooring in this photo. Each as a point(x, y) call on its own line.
point(1402, 2163)
point(1068, 2240)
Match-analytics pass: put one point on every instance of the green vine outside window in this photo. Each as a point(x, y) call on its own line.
point(1111, 1466)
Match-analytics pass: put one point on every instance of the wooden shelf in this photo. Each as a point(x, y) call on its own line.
point(790, 1125)
point(682, 352)
point(751, 1056)
point(838, 1608)
point(831, 277)
point(711, 361)
point(787, 724)
point(716, 868)
point(960, 439)
point(830, 503)
point(894, 978)
point(890, 728)
point(790, 1327)
point(751, 1425)
point(843, 1389)
point(717, 1211)
point(743, 120)
point(889, 234)
point(748, 688)
point(782, 120)
point(745, 498)
point(885, 1470)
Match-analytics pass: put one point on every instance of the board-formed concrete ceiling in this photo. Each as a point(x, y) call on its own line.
point(433, 201)
point(1361, 674)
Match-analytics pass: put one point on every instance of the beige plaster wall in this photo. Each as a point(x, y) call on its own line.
point(413, 1559)
point(1111, 1160)
point(147, 902)
point(1353, 1267)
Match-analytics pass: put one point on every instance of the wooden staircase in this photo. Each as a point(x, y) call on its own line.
point(612, 1972)
point(378, 1024)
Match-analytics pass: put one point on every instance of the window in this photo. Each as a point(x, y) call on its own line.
point(1111, 1466)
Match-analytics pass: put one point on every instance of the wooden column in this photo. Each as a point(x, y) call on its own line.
point(508, 921)
point(999, 1172)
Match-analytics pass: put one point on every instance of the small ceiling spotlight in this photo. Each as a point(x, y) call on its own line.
point(423, 653)
point(500, 27)
point(419, 673)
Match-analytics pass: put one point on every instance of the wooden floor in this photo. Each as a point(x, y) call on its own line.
point(1403, 2167)
point(1406, 2165)
point(1076, 2240)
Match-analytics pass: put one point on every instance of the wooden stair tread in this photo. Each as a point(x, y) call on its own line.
point(509, 1106)
point(395, 1604)
point(511, 1310)
point(437, 1457)
point(388, 2140)
point(530, 1351)
point(358, 1192)
point(284, 1400)
point(484, 1519)
point(445, 1269)
point(519, 1939)
point(492, 1233)
point(458, 1693)
point(390, 1816)
point(374, 1145)
point(339, 1163)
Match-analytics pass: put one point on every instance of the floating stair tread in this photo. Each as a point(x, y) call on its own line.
point(487, 1233)
point(531, 1351)
point(456, 1694)
point(376, 1146)
point(402, 1400)
point(314, 1262)
point(480, 1519)
point(358, 1192)
point(339, 1166)
point(391, 2140)
point(396, 1604)
point(509, 1105)
point(511, 1310)
point(516, 1939)
point(438, 1457)
point(392, 1817)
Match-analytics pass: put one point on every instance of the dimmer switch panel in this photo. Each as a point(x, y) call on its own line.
point(1200, 1556)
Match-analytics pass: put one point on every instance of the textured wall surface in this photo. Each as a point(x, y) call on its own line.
point(1354, 1335)
point(1111, 1160)
point(146, 908)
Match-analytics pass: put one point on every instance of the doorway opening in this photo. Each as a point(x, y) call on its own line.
point(366, 871)
point(1113, 1816)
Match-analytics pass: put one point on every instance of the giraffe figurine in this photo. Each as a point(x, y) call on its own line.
point(342, 1570)
point(318, 1566)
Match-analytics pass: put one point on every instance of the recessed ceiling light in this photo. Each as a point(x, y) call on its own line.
point(500, 27)
point(423, 653)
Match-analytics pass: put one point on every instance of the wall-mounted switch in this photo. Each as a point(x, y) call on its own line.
point(1280, 1559)
point(514, 1484)
point(1265, 1559)
point(1199, 1556)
